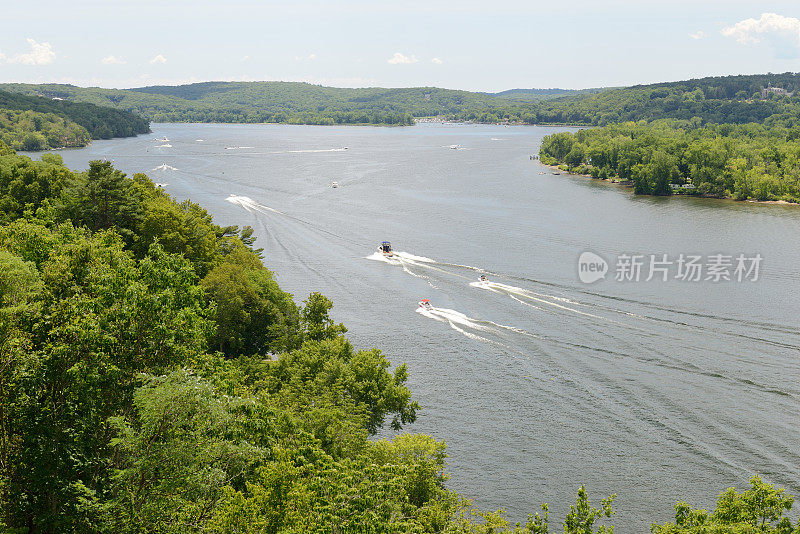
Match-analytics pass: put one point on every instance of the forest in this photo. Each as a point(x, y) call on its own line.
point(743, 162)
point(154, 378)
point(31, 130)
point(730, 99)
point(101, 122)
point(294, 102)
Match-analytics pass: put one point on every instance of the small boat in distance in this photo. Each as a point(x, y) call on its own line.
point(425, 304)
point(334, 184)
point(483, 278)
point(386, 249)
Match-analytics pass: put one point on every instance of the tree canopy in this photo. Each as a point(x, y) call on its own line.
point(749, 161)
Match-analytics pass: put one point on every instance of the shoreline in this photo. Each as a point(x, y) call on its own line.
point(622, 183)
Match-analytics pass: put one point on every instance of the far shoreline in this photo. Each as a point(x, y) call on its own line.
point(625, 184)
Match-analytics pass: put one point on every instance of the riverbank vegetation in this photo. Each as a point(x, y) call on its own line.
point(31, 130)
point(155, 378)
point(101, 122)
point(749, 161)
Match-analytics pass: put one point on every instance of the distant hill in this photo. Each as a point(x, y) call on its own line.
point(101, 122)
point(730, 99)
point(723, 99)
point(291, 102)
point(534, 95)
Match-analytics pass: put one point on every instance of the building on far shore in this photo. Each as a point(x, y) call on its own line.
point(774, 90)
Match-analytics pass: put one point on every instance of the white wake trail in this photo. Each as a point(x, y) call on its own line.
point(165, 167)
point(251, 205)
point(453, 319)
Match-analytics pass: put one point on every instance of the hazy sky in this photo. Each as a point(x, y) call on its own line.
point(487, 45)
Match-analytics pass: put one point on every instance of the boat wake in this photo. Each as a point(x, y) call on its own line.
point(165, 167)
point(250, 205)
point(469, 326)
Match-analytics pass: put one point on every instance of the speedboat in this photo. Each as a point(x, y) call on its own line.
point(334, 184)
point(454, 147)
point(483, 278)
point(386, 249)
point(425, 304)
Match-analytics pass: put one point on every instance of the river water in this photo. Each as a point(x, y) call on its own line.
point(655, 390)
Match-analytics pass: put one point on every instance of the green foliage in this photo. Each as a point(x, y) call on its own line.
point(103, 198)
point(54, 122)
point(425, 459)
point(582, 516)
point(743, 162)
point(315, 320)
point(101, 318)
point(31, 130)
point(303, 103)
point(357, 380)
point(112, 415)
point(758, 509)
point(711, 100)
point(27, 186)
point(253, 314)
point(164, 481)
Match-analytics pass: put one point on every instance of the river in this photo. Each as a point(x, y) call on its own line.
point(655, 390)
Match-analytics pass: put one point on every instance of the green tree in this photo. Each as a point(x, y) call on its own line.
point(582, 516)
point(316, 322)
point(760, 508)
point(103, 198)
point(176, 455)
point(253, 315)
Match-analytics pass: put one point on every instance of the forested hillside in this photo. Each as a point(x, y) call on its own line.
point(101, 122)
point(289, 102)
point(31, 130)
point(280, 102)
point(535, 95)
point(732, 99)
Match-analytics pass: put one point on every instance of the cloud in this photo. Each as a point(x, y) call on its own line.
point(437, 61)
point(158, 59)
point(113, 60)
point(398, 59)
point(699, 35)
point(749, 31)
point(309, 57)
point(782, 33)
point(40, 54)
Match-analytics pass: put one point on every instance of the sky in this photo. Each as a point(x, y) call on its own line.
point(473, 45)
